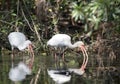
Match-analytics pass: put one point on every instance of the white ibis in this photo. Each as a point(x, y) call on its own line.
point(64, 40)
point(18, 40)
point(19, 72)
point(59, 77)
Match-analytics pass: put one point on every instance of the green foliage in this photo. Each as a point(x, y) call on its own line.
point(95, 12)
point(78, 11)
point(21, 15)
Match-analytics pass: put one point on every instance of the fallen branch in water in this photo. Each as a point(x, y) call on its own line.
point(37, 76)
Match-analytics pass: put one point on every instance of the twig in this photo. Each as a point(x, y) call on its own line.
point(31, 82)
point(7, 23)
point(35, 28)
point(37, 76)
point(26, 19)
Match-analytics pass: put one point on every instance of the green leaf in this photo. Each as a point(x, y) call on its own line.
point(13, 14)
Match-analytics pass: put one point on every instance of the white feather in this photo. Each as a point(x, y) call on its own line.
point(16, 75)
point(58, 78)
point(18, 40)
point(19, 72)
point(63, 40)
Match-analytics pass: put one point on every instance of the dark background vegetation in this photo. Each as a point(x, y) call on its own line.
point(96, 22)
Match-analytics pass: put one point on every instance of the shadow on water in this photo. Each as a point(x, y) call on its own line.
point(40, 76)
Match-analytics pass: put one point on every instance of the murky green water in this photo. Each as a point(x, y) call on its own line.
point(39, 73)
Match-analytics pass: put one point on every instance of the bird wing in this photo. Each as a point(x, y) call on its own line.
point(16, 38)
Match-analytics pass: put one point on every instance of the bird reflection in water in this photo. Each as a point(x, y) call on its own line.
point(19, 40)
point(59, 76)
point(19, 72)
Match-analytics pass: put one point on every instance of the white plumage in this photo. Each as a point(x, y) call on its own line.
point(19, 72)
point(16, 75)
point(18, 40)
point(61, 40)
point(64, 40)
point(59, 78)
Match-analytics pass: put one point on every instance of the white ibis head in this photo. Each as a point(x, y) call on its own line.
point(24, 45)
point(85, 60)
point(28, 45)
point(82, 48)
point(30, 49)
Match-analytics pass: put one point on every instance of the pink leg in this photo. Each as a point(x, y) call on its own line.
point(32, 56)
point(55, 57)
point(63, 57)
point(12, 56)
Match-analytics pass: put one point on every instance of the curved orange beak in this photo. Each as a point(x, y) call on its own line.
point(85, 59)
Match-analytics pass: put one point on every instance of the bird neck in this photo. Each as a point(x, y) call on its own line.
point(73, 45)
point(24, 45)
